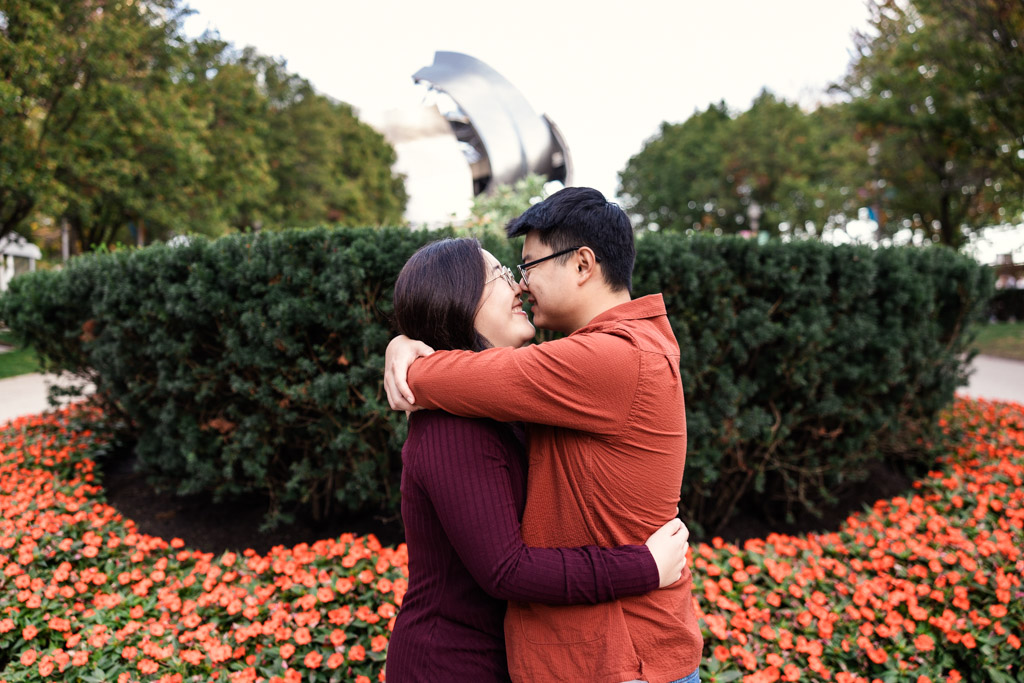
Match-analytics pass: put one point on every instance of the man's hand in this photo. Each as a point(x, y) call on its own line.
point(400, 354)
point(668, 545)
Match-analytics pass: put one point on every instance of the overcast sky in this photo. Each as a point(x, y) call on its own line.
point(607, 73)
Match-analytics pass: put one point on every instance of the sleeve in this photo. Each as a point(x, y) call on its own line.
point(585, 382)
point(465, 472)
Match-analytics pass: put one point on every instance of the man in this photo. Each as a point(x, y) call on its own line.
point(607, 437)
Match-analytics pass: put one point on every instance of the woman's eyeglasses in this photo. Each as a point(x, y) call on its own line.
point(506, 273)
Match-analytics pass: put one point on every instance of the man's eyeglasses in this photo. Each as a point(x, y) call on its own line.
point(506, 273)
point(523, 267)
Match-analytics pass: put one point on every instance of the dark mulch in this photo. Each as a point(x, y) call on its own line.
point(215, 527)
point(884, 481)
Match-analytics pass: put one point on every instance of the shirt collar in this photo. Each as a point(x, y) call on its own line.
point(650, 306)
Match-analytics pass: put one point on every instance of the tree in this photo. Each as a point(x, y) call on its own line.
point(111, 118)
point(932, 148)
point(770, 168)
point(226, 87)
point(91, 123)
point(677, 181)
point(505, 202)
point(329, 167)
point(796, 170)
point(985, 51)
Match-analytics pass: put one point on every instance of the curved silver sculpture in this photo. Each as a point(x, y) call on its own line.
point(502, 137)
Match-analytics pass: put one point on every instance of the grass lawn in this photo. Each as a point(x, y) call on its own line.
point(1005, 340)
point(16, 362)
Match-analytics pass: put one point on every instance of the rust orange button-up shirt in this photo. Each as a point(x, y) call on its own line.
point(607, 446)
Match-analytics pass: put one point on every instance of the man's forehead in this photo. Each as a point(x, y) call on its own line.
point(531, 245)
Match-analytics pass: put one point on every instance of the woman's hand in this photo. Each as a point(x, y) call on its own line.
point(400, 354)
point(668, 545)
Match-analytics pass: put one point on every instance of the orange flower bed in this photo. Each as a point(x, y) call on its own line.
point(85, 597)
point(920, 588)
point(925, 587)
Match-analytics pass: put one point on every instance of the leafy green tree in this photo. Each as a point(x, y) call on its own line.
point(238, 176)
point(677, 181)
point(505, 202)
point(793, 167)
point(111, 118)
point(769, 168)
point(329, 167)
point(94, 129)
point(931, 144)
point(984, 51)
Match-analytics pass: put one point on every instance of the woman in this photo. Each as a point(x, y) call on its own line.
point(464, 491)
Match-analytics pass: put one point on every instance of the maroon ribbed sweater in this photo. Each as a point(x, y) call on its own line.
point(463, 495)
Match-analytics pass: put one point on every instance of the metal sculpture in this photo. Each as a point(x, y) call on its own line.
point(502, 137)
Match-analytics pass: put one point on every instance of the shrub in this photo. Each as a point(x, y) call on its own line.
point(1007, 304)
point(804, 363)
point(253, 363)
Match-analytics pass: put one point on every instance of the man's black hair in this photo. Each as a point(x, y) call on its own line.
point(578, 217)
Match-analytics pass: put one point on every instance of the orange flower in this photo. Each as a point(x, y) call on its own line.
point(924, 643)
point(45, 667)
point(28, 657)
point(148, 666)
point(287, 650)
point(379, 643)
point(357, 653)
point(313, 660)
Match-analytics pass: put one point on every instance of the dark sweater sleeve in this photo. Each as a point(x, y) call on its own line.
point(463, 466)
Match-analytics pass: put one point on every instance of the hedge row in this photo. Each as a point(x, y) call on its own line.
point(253, 363)
point(805, 364)
point(1007, 304)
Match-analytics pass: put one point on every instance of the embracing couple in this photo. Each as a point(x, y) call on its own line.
point(536, 472)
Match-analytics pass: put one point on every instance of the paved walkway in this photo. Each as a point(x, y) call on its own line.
point(996, 379)
point(26, 394)
point(993, 378)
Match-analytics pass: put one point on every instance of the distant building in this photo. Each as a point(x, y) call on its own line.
point(17, 256)
point(473, 132)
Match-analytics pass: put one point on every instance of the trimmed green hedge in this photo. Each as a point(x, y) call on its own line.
point(253, 363)
point(805, 364)
point(1007, 304)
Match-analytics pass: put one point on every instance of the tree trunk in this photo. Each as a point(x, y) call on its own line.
point(949, 234)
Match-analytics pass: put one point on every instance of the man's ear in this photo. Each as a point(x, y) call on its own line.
point(586, 264)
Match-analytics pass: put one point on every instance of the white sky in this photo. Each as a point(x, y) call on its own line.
point(607, 73)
